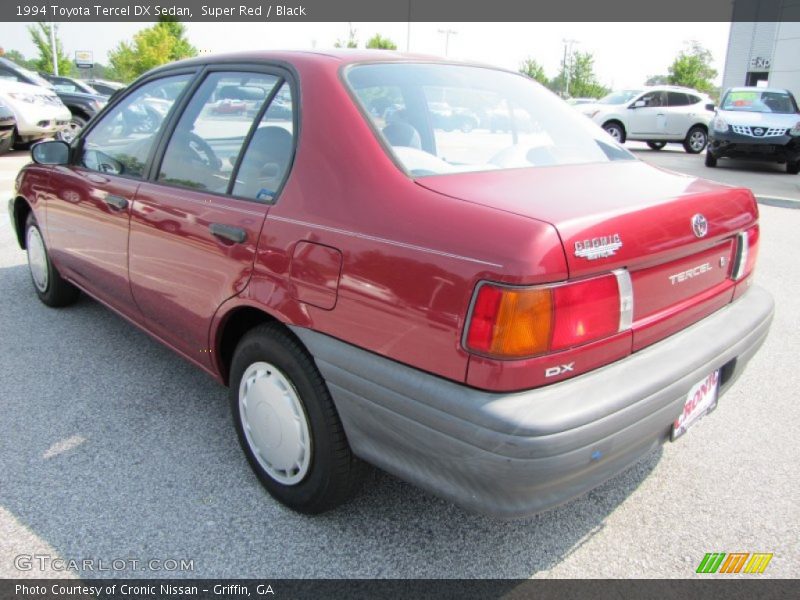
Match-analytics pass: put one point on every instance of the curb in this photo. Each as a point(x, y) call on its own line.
point(779, 201)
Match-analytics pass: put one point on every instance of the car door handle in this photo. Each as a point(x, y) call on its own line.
point(117, 202)
point(228, 232)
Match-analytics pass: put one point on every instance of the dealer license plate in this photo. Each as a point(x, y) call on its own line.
point(701, 399)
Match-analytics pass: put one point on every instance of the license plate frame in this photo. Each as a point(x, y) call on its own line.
point(701, 399)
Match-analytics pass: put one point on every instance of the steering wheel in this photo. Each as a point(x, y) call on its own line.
point(201, 150)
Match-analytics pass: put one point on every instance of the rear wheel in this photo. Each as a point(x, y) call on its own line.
point(696, 140)
point(656, 145)
point(711, 160)
point(793, 168)
point(287, 423)
point(51, 288)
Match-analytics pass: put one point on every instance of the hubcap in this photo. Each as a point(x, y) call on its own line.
point(70, 131)
point(37, 258)
point(275, 424)
point(698, 140)
point(614, 133)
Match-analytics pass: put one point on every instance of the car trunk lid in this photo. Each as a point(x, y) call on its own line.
point(629, 215)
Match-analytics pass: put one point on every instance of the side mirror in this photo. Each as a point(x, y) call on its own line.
point(53, 152)
point(639, 104)
point(710, 107)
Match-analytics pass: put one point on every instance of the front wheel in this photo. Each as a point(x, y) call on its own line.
point(73, 128)
point(287, 424)
point(615, 131)
point(656, 145)
point(51, 288)
point(696, 140)
point(711, 160)
point(793, 168)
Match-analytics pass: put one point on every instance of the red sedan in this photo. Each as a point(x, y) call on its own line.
point(505, 318)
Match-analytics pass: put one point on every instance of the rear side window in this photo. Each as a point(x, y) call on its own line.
point(205, 146)
point(120, 143)
point(679, 99)
point(268, 155)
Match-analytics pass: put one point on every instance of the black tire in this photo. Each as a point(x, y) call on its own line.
point(334, 473)
point(656, 145)
point(57, 292)
point(793, 168)
point(18, 144)
point(711, 160)
point(696, 140)
point(6, 144)
point(616, 131)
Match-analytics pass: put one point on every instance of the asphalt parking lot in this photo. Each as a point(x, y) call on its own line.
point(112, 447)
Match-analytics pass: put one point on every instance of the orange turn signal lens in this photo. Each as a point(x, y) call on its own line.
point(511, 322)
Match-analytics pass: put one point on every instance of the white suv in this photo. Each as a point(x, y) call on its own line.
point(38, 110)
point(656, 115)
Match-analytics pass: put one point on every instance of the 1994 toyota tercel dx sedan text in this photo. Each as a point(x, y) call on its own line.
point(505, 319)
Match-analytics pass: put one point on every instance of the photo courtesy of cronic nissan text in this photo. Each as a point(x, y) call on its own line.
point(399, 298)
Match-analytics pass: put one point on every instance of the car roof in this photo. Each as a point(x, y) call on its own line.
point(336, 56)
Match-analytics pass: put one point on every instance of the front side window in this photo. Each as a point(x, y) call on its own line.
point(653, 99)
point(439, 119)
point(205, 146)
point(121, 142)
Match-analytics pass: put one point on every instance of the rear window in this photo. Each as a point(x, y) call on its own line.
point(440, 119)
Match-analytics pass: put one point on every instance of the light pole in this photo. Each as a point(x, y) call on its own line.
point(568, 68)
point(53, 48)
point(447, 33)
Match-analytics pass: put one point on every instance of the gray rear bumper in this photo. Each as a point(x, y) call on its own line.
point(516, 454)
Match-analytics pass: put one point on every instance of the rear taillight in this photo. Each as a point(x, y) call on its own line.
point(519, 322)
point(746, 253)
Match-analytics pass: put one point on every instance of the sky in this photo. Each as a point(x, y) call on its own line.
point(626, 54)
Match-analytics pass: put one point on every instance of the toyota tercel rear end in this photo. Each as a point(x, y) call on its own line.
point(505, 318)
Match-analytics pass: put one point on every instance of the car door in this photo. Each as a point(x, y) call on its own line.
point(195, 225)
point(679, 114)
point(91, 199)
point(649, 119)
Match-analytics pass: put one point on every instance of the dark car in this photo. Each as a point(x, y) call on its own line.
point(69, 84)
point(506, 320)
point(756, 123)
point(107, 88)
point(7, 124)
point(81, 105)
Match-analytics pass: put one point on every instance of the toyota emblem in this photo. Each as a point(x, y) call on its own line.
point(699, 225)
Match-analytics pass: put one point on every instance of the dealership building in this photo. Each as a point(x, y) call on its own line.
point(766, 52)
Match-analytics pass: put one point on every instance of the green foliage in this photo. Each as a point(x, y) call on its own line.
point(17, 57)
point(162, 43)
point(579, 74)
point(657, 80)
point(692, 68)
point(379, 42)
point(534, 70)
point(40, 35)
point(350, 42)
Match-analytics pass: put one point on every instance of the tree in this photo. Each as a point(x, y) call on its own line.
point(657, 80)
point(692, 68)
point(534, 70)
point(157, 45)
point(17, 57)
point(381, 43)
point(577, 78)
point(40, 35)
point(351, 41)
